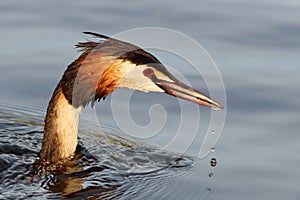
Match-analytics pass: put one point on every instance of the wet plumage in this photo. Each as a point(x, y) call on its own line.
point(101, 68)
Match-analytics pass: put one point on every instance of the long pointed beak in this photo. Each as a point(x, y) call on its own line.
point(181, 90)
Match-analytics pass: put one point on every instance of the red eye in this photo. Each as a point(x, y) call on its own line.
point(148, 72)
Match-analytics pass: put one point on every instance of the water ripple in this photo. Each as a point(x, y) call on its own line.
point(106, 165)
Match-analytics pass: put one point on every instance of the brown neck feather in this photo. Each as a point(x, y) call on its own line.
point(91, 77)
point(61, 128)
point(83, 82)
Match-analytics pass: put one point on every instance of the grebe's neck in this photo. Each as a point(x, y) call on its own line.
point(61, 129)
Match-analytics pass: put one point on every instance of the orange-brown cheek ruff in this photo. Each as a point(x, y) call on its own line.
point(108, 81)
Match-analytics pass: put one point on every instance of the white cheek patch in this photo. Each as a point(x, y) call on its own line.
point(133, 78)
point(161, 76)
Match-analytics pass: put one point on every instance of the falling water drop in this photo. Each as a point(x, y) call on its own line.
point(213, 162)
point(213, 132)
point(212, 149)
point(210, 174)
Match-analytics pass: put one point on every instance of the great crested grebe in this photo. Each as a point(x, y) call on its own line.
point(101, 68)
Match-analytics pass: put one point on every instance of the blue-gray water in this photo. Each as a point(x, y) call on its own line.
point(256, 47)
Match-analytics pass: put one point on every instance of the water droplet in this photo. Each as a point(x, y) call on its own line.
point(213, 162)
point(212, 149)
point(213, 132)
point(210, 174)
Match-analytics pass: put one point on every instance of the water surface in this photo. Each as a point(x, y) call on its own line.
point(256, 46)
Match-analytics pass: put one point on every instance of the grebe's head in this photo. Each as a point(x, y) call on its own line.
point(110, 64)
